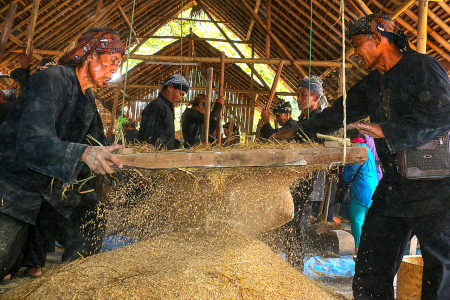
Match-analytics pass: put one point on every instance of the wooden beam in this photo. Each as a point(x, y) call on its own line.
point(269, 26)
point(274, 85)
point(191, 20)
point(41, 51)
point(200, 88)
point(7, 27)
point(221, 83)
point(354, 8)
point(242, 158)
point(233, 45)
point(116, 101)
point(124, 16)
point(296, 67)
point(252, 22)
point(270, 61)
point(196, 38)
point(209, 84)
point(422, 27)
point(32, 25)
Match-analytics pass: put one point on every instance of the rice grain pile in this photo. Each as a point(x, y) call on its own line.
point(198, 264)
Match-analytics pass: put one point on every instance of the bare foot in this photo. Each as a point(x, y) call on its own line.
point(35, 272)
point(7, 277)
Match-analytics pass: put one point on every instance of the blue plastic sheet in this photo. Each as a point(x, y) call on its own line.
point(113, 242)
point(331, 268)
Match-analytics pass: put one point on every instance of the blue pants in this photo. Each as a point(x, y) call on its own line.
point(356, 213)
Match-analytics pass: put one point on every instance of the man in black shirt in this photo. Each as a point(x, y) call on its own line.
point(157, 125)
point(418, 94)
point(193, 119)
point(282, 112)
point(310, 97)
point(43, 141)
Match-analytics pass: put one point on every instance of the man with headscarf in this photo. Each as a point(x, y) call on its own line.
point(282, 112)
point(407, 96)
point(310, 97)
point(9, 89)
point(44, 146)
point(157, 125)
point(193, 119)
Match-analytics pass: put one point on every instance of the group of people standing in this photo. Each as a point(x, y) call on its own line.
point(44, 147)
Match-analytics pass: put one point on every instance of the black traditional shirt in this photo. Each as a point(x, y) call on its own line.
point(193, 121)
point(42, 139)
point(419, 96)
point(157, 125)
point(267, 130)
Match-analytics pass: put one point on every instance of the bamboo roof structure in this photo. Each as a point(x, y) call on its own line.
point(276, 29)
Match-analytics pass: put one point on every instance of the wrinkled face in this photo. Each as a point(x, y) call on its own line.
point(225, 131)
point(303, 96)
point(175, 95)
point(201, 107)
point(366, 53)
point(282, 118)
point(102, 67)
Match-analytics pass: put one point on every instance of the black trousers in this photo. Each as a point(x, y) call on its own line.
point(13, 235)
point(81, 234)
point(383, 242)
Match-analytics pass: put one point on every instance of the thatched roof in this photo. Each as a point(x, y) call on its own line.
point(284, 22)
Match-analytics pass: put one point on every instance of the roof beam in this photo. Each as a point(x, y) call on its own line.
point(7, 27)
point(252, 22)
point(233, 45)
point(299, 70)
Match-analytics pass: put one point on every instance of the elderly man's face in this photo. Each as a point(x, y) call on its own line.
point(102, 67)
point(305, 99)
point(175, 95)
point(366, 53)
point(282, 118)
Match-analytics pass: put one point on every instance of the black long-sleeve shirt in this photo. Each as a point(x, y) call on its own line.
point(193, 121)
point(419, 96)
point(267, 130)
point(157, 125)
point(42, 138)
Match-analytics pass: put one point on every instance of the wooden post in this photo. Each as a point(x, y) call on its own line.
point(209, 82)
point(274, 85)
point(221, 82)
point(32, 25)
point(187, 69)
point(116, 101)
point(422, 27)
point(7, 27)
point(269, 25)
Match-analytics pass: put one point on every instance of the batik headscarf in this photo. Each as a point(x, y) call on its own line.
point(178, 82)
point(282, 108)
point(90, 42)
point(316, 86)
point(9, 86)
point(382, 24)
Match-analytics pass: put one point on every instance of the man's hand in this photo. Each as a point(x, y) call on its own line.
point(98, 158)
point(287, 134)
point(221, 100)
point(374, 130)
point(260, 123)
point(265, 116)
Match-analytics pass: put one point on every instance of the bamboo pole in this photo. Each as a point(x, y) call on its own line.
point(7, 27)
point(271, 61)
point(124, 16)
point(116, 101)
point(221, 82)
point(422, 27)
point(269, 26)
point(252, 22)
point(274, 85)
point(234, 46)
point(32, 25)
point(296, 67)
point(209, 79)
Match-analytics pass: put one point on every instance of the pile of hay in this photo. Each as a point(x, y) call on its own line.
point(216, 264)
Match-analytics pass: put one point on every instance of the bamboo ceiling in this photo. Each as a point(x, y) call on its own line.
point(285, 23)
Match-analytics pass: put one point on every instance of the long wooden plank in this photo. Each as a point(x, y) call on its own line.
point(242, 158)
point(7, 27)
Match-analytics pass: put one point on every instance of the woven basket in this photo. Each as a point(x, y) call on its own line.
point(409, 278)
